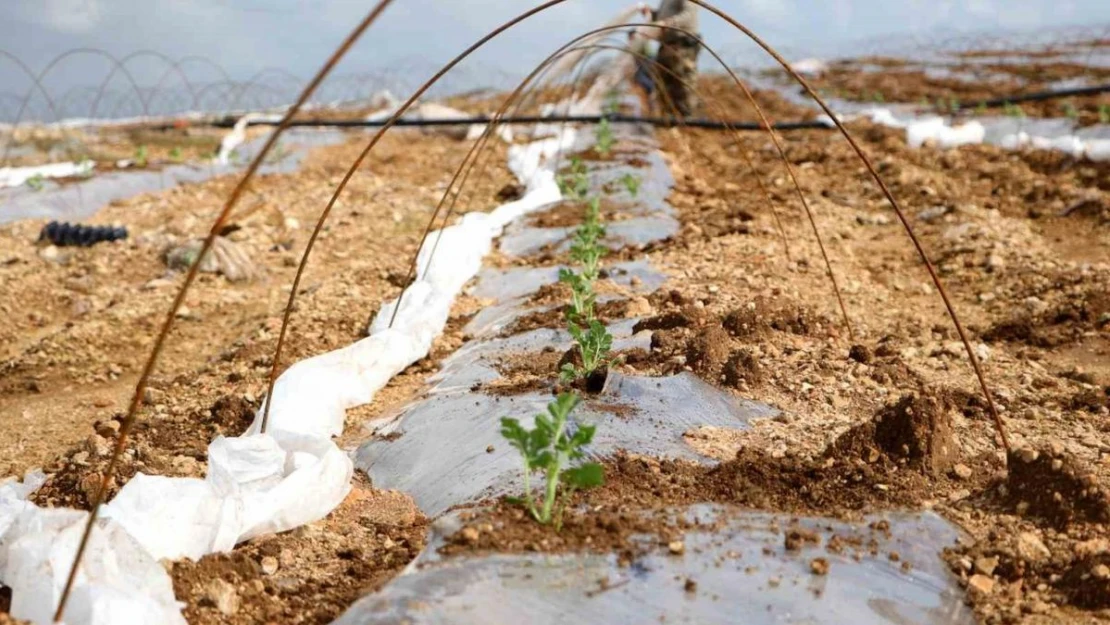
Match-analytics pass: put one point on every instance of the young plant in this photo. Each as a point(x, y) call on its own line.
point(550, 449)
point(582, 297)
point(878, 97)
point(575, 185)
point(1013, 110)
point(175, 154)
point(594, 344)
point(36, 182)
point(604, 137)
point(632, 183)
point(1104, 114)
point(591, 336)
point(140, 156)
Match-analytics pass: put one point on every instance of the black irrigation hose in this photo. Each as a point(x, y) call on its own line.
point(665, 122)
point(65, 234)
point(1039, 96)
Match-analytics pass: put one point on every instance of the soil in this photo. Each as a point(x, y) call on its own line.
point(884, 416)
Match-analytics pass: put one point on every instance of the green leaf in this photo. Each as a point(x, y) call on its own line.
point(585, 476)
point(583, 436)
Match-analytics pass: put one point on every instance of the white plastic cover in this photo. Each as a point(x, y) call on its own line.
point(15, 176)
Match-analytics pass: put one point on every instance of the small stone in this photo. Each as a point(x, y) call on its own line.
point(269, 565)
point(470, 535)
point(108, 429)
point(980, 584)
point(677, 547)
point(80, 458)
point(186, 465)
point(639, 307)
point(152, 396)
point(1093, 547)
point(157, 283)
point(986, 566)
point(489, 449)
point(1101, 572)
point(223, 596)
point(995, 263)
point(51, 254)
point(1031, 549)
point(691, 585)
point(819, 566)
point(98, 446)
point(1028, 455)
point(961, 471)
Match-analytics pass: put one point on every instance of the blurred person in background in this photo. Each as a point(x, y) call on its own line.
point(678, 53)
point(643, 80)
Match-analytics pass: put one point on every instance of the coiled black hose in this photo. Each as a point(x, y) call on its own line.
point(66, 234)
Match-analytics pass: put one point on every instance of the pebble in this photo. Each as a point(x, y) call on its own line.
point(962, 471)
point(108, 429)
point(980, 584)
point(98, 445)
point(223, 595)
point(1101, 572)
point(985, 566)
point(1028, 455)
point(470, 535)
point(51, 254)
point(677, 547)
point(1093, 547)
point(269, 565)
point(819, 566)
point(639, 307)
point(157, 283)
point(152, 396)
point(1031, 549)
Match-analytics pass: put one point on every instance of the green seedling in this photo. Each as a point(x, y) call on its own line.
point(632, 183)
point(954, 105)
point(582, 297)
point(878, 97)
point(604, 137)
point(574, 185)
point(175, 154)
point(36, 182)
point(981, 109)
point(594, 344)
point(550, 449)
point(140, 156)
point(1104, 114)
point(612, 103)
point(1012, 110)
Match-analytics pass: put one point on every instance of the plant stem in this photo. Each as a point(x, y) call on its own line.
point(553, 472)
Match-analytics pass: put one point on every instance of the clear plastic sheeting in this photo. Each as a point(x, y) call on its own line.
point(455, 430)
point(84, 198)
point(740, 571)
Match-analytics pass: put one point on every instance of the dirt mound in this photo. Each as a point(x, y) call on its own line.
point(915, 431)
point(1048, 484)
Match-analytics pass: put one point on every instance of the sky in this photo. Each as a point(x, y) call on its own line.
point(245, 36)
